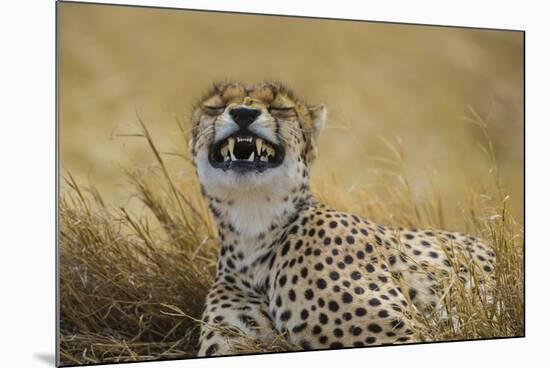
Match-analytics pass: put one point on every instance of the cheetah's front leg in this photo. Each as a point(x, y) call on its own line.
point(232, 315)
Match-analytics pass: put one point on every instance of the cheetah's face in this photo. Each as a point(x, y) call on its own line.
point(250, 137)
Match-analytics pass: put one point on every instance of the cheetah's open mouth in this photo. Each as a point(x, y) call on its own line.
point(245, 153)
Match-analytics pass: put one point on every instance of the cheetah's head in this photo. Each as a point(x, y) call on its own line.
point(253, 138)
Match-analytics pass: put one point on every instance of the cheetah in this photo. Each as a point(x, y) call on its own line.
point(292, 267)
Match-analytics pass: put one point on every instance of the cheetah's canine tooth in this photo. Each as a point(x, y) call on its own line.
point(259, 146)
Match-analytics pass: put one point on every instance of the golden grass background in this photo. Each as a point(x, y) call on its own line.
point(425, 129)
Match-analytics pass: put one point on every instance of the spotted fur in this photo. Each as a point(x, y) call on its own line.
point(290, 266)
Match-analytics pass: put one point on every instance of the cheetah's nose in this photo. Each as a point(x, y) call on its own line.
point(244, 116)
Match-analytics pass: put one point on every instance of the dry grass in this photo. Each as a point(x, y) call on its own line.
point(133, 284)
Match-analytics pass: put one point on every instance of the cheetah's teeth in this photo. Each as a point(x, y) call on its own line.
point(259, 142)
point(244, 139)
point(270, 151)
point(231, 145)
point(225, 151)
point(263, 150)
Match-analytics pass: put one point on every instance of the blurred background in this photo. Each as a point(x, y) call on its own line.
point(418, 87)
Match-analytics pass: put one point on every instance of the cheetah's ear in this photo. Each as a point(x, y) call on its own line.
point(318, 117)
point(318, 114)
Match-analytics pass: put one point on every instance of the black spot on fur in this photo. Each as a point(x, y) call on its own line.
point(211, 350)
point(373, 327)
point(321, 283)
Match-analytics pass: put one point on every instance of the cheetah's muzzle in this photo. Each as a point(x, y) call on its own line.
point(244, 153)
